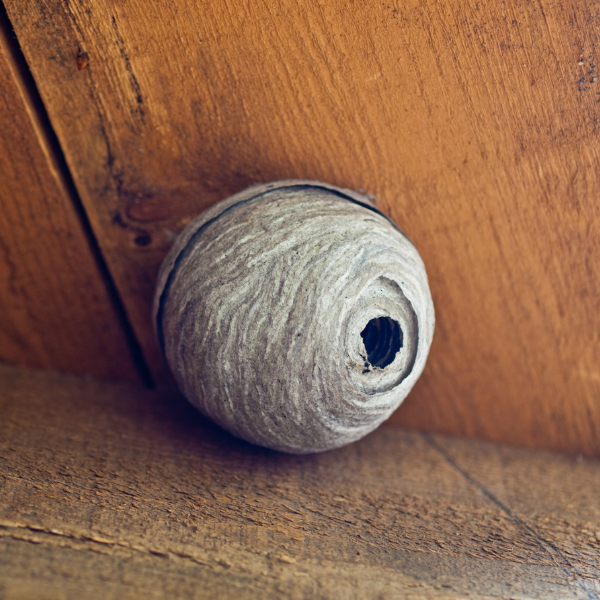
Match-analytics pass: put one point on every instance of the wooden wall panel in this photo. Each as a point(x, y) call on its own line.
point(475, 123)
point(56, 311)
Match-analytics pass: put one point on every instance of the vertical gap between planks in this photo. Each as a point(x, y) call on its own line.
point(56, 159)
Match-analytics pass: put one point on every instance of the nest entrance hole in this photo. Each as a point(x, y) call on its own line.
point(382, 338)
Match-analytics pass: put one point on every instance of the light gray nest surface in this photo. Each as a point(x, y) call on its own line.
point(295, 315)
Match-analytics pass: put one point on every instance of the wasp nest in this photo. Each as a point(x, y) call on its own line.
point(295, 315)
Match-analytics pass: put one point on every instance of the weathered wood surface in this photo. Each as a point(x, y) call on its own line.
point(475, 123)
point(110, 491)
point(54, 305)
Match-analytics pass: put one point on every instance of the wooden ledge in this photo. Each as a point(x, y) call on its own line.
point(109, 491)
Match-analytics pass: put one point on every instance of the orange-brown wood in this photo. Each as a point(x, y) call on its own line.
point(475, 123)
point(56, 310)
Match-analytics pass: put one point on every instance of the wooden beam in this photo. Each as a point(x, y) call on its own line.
point(55, 298)
point(116, 492)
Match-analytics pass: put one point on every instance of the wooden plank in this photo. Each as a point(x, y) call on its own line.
point(111, 491)
point(56, 309)
point(475, 123)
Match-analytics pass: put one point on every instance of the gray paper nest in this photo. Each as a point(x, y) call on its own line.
point(295, 315)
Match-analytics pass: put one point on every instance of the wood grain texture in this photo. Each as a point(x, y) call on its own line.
point(476, 124)
point(115, 492)
point(56, 310)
